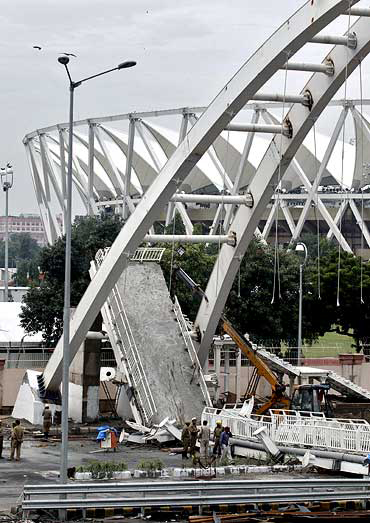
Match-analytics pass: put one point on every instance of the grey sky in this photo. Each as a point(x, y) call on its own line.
point(186, 51)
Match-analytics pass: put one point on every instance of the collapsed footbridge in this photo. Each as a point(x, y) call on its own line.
point(167, 189)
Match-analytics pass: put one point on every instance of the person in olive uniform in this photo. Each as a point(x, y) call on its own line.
point(185, 438)
point(193, 429)
point(47, 418)
point(216, 438)
point(16, 440)
point(204, 437)
point(1, 439)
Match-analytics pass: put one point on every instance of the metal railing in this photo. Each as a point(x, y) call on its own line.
point(142, 254)
point(301, 431)
point(145, 254)
point(125, 340)
point(197, 493)
point(198, 371)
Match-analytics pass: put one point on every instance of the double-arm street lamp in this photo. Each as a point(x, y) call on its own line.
point(6, 174)
point(64, 60)
point(300, 248)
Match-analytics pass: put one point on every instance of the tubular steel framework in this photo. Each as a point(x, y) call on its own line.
point(140, 173)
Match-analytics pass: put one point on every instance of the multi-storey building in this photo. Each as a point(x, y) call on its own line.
point(29, 223)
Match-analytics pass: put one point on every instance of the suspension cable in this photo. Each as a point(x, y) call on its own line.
point(173, 249)
point(277, 193)
point(316, 207)
point(342, 173)
point(361, 188)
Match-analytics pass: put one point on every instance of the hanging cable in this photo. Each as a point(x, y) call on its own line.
point(222, 216)
point(316, 207)
point(361, 188)
point(342, 173)
point(173, 249)
point(277, 199)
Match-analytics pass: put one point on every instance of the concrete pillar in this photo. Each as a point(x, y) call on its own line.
point(85, 380)
point(226, 372)
point(217, 364)
point(2, 365)
point(238, 368)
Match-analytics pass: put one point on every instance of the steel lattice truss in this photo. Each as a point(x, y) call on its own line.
point(150, 174)
point(113, 170)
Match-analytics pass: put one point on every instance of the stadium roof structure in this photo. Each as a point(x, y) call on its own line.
point(116, 158)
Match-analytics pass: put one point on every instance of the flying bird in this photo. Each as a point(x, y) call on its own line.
point(69, 54)
point(37, 47)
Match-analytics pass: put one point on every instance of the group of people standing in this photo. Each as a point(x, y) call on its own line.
point(16, 440)
point(191, 433)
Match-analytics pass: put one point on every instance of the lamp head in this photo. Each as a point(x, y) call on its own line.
point(64, 60)
point(126, 65)
point(299, 247)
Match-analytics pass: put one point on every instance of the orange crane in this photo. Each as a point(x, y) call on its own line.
point(278, 397)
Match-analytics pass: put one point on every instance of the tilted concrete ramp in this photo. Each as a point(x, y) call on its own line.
point(142, 314)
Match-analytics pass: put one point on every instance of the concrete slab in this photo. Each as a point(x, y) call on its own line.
point(164, 356)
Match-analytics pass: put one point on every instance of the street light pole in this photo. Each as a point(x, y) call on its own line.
point(7, 183)
point(301, 247)
point(64, 60)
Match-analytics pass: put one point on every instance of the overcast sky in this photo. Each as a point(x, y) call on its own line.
point(186, 51)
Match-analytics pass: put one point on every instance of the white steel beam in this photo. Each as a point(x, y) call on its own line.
point(342, 209)
point(321, 207)
point(241, 167)
point(360, 222)
point(38, 193)
point(348, 40)
point(48, 168)
point(309, 20)
point(246, 220)
point(230, 238)
point(317, 181)
point(288, 217)
point(126, 194)
point(90, 176)
point(112, 170)
point(326, 68)
point(258, 128)
point(270, 220)
point(243, 199)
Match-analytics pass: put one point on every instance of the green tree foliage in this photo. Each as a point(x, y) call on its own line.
point(43, 306)
point(23, 255)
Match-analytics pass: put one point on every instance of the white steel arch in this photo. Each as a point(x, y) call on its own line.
point(301, 27)
point(262, 185)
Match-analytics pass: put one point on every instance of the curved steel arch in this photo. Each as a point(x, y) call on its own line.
point(262, 185)
point(271, 56)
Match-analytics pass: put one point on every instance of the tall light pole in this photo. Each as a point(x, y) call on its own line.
point(300, 247)
point(64, 60)
point(6, 174)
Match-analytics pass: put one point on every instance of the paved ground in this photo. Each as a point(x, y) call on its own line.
point(40, 464)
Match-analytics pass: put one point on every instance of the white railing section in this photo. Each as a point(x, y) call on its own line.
point(198, 371)
point(133, 360)
point(299, 431)
point(142, 254)
point(125, 340)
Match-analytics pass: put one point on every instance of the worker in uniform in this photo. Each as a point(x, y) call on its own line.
point(204, 437)
point(185, 439)
point(217, 437)
point(16, 440)
point(193, 429)
point(47, 421)
point(225, 444)
point(1, 439)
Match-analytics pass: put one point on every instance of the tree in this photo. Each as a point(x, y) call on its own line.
point(43, 305)
point(23, 255)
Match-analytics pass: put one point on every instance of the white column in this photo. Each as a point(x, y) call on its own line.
point(226, 371)
point(217, 362)
point(238, 368)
